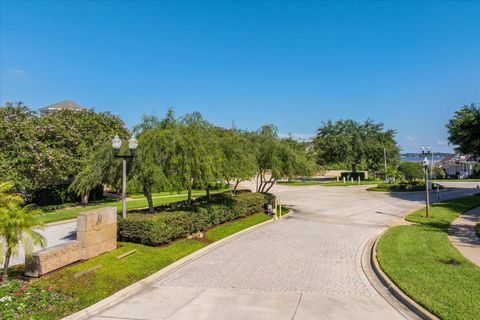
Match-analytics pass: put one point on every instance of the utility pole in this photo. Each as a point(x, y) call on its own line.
point(385, 160)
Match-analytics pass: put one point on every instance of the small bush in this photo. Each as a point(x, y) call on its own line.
point(161, 228)
point(411, 170)
point(54, 194)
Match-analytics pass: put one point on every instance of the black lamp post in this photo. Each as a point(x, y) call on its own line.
point(426, 164)
point(116, 145)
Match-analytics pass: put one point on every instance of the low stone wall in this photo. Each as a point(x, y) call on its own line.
point(96, 234)
point(44, 261)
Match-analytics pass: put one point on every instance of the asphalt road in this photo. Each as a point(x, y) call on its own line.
point(307, 266)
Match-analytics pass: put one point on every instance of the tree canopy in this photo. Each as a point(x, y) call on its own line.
point(38, 151)
point(356, 145)
point(464, 130)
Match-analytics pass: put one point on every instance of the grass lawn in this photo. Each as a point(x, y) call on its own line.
point(195, 192)
point(329, 183)
point(117, 274)
point(227, 229)
point(70, 213)
point(416, 258)
point(139, 201)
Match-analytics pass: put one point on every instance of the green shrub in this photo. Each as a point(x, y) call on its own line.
point(411, 170)
point(163, 227)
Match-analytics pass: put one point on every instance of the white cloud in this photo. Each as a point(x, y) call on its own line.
point(19, 74)
point(442, 143)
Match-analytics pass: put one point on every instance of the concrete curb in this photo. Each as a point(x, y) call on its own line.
point(391, 287)
point(157, 276)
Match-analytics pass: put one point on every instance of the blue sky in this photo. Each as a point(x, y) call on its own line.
point(294, 64)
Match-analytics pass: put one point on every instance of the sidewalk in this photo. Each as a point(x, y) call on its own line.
point(463, 237)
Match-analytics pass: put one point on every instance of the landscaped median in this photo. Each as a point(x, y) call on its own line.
point(157, 240)
point(422, 262)
point(403, 187)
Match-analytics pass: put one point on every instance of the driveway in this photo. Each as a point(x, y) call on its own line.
point(307, 266)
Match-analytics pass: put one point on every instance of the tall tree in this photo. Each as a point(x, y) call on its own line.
point(152, 166)
point(196, 154)
point(355, 144)
point(464, 130)
point(238, 163)
point(278, 159)
point(36, 152)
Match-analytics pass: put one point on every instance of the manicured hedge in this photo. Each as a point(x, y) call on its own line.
point(410, 186)
point(160, 228)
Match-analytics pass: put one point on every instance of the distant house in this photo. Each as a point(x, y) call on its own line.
point(458, 165)
point(64, 105)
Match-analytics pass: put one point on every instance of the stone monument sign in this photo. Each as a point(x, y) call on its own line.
point(96, 234)
point(52, 258)
point(97, 231)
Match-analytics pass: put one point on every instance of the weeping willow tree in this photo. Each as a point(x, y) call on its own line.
point(17, 226)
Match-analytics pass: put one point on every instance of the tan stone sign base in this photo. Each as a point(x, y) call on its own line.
point(50, 259)
point(96, 234)
point(97, 231)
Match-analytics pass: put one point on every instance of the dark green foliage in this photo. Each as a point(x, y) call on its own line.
point(411, 170)
point(476, 170)
point(464, 130)
point(356, 145)
point(405, 186)
point(164, 227)
point(439, 173)
point(55, 194)
point(38, 152)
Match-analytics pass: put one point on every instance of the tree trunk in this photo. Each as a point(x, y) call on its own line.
point(208, 193)
point(148, 194)
point(84, 198)
point(354, 167)
point(236, 186)
point(189, 196)
point(272, 183)
point(5, 265)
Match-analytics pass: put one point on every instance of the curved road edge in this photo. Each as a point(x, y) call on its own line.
point(157, 276)
point(409, 308)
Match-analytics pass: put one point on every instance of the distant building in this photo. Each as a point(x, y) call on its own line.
point(64, 105)
point(458, 165)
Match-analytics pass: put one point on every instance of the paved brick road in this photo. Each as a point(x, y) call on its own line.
point(307, 266)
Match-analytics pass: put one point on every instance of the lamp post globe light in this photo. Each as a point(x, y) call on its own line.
point(132, 146)
point(426, 164)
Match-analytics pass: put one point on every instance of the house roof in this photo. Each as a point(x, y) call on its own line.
point(456, 158)
point(66, 104)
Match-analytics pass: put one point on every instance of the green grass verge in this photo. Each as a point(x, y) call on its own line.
point(415, 257)
point(71, 213)
point(138, 202)
point(195, 192)
point(117, 274)
point(226, 229)
point(112, 276)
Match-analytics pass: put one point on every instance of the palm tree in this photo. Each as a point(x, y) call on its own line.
point(17, 225)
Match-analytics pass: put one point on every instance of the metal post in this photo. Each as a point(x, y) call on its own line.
point(431, 168)
point(427, 199)
point(385, 161)
point(124, 189)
